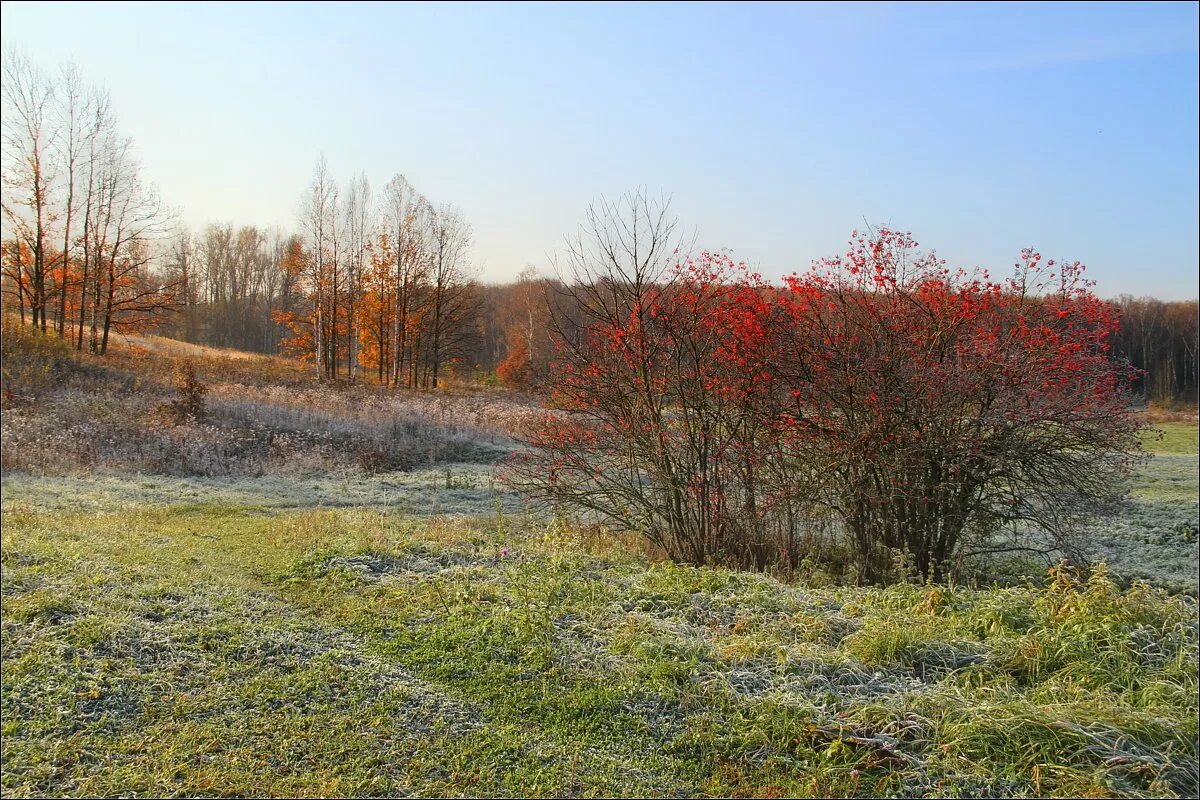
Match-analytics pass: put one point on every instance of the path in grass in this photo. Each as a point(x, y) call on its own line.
point(1156, 537)
point(151, 652)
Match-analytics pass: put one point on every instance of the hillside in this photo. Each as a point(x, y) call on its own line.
point(270, 436)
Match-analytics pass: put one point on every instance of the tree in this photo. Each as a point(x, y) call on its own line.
point(450, 293)
point(405, 212)
point(377, 309)
point(320, 222)
point(99, 139)
point(523, 316)
point(358, 225)
point(17, 260)
point(180, 270)
point(301, 338)
point(647, 437)
point(75, 109)
point(130, 213)
point(932, 410)
point(1160, 339)
point(29, 135)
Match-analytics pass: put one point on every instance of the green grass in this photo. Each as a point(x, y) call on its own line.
point(225, 650)
point(1156, 536)
point(1172, 438)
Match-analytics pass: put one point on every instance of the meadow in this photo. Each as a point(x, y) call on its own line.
point(324, 591)
point(389, 471)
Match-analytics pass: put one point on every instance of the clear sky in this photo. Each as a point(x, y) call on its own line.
point(776, 129)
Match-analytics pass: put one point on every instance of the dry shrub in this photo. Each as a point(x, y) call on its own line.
point(189, 405)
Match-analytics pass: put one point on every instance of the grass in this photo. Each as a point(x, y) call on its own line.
point(262, 416)
point(446, 489)
point(1172, 438)
point(213, 649)
point(1155, 537)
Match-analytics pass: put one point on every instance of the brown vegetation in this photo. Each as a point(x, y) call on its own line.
point(229, 414)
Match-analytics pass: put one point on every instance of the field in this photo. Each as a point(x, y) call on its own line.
point(319, 592)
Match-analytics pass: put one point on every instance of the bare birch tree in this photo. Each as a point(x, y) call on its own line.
point(28, 141)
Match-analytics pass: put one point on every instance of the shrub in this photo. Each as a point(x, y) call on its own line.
point(926, 411)
point(188, 406)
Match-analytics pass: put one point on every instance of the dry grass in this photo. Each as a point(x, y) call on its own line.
point(263, 416)
point(1173, 412)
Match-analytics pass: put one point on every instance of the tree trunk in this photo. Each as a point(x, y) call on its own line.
point(108, 304)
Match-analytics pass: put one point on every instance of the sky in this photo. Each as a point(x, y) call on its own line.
point(775, 129)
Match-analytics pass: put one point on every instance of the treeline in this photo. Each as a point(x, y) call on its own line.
point(388, 286)
point(1160, 338)
point(394, 304)
point(367, 287)
point(230, 283)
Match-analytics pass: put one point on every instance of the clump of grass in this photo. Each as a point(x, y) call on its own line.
point(40, 607)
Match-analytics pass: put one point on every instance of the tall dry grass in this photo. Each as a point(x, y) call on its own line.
point(263, 415)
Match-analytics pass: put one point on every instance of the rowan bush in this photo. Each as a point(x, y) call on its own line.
point(880, 401)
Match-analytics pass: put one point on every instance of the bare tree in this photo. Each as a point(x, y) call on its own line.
point(16, 269)
point(73, 108)
point(449, 240)
point(181, 271)
point(135, 214)
point(29, 136)
point(318, 219)
point(99, 138)
point(404, 210)
point(358, 227)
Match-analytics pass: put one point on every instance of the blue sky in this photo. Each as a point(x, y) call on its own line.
point(776, 129)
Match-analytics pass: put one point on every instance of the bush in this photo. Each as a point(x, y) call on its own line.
point(924, 412)
point(189, 405)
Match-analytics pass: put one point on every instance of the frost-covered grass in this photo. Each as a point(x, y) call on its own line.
point(219, 650)
point(323, 591)
point(1155, 537)
point(469, 489)
point(112, 430)
point(263, 417)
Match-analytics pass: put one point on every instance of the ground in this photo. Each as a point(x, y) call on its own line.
point(1153, 538)
point(231, 648)
point(275, 630)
